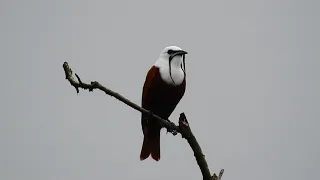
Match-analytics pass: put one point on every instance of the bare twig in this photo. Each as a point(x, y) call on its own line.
point(215, 177)
point(183, 128)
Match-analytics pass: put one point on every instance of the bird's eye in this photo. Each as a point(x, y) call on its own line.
point(170, 51)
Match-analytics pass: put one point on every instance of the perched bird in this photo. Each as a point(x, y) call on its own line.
point(163, 88)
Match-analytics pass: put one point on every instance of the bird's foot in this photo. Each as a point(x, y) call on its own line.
point(172, 130)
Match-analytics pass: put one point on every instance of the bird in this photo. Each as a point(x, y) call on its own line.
point(163, 89)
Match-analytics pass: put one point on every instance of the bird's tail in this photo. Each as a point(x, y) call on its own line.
point(151, 145)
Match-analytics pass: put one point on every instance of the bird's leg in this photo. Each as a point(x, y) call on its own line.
point(171, 128)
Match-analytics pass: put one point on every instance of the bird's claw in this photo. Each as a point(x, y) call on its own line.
point(172, 130)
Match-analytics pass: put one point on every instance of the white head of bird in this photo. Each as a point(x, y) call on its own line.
point(169, 63)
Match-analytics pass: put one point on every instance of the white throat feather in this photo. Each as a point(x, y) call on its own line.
point(177, 74)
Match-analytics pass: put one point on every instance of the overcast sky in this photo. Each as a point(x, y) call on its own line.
point(252, 96)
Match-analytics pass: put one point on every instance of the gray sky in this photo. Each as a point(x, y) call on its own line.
point(252, 94)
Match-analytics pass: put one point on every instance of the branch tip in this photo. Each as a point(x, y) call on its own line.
point(221, 173)
point(67, 70)
point(184, 126)
point(215, 177)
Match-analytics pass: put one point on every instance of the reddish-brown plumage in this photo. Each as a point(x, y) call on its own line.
point(160, 98)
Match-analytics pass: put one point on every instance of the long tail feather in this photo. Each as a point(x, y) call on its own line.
point(151, 145)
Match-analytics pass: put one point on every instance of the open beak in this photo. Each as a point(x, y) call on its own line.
point(180, 52)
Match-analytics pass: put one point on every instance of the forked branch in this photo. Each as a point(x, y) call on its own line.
point(183, 128)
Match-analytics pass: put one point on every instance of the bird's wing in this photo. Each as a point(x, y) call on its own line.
point(148, 90)
point(149, 86)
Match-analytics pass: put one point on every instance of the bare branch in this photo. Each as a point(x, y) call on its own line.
point(183, 128)
point(170, 126)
